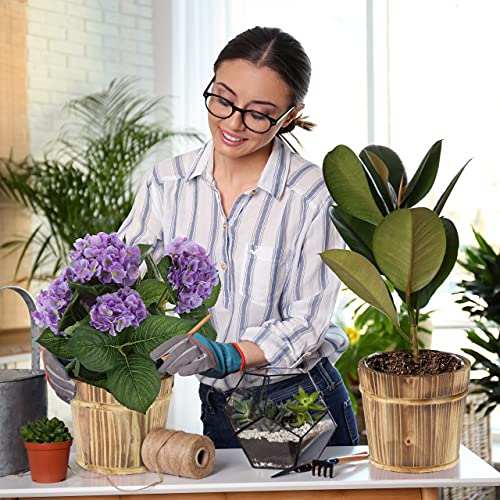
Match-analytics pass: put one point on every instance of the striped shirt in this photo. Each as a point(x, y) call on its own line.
point(275, 289)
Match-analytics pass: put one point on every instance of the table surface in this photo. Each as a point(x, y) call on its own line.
point(232, 472)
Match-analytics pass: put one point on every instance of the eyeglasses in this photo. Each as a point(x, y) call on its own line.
point(253, 120)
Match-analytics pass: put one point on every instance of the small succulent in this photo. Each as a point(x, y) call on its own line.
point(302, 408)
point(244, 411)
point(45, 430)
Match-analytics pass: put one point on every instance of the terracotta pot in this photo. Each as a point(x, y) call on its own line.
point(48, 461)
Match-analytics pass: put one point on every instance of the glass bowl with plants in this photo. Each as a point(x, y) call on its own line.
point(47, 442)
point(276, 427)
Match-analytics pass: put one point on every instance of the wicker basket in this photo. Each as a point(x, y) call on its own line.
point(476, 435)
point(108, 435)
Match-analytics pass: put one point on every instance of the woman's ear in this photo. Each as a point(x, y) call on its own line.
point(289, 119)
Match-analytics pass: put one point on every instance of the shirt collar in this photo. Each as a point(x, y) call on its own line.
point(273, 178)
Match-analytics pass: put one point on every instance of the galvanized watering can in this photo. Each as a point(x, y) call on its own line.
point(23, 397)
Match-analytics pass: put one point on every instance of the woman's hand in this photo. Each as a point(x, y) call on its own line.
point(193, 353)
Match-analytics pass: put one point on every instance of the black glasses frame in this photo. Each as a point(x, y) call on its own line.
point(273, 121)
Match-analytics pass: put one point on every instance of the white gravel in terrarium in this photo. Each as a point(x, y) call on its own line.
point(284, 436)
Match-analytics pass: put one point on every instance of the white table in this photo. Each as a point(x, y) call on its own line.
point(233, 478)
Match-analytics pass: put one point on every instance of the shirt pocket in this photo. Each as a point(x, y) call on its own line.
point(257, 272)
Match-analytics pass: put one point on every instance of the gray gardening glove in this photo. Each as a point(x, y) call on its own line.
point(58, 377)
point(192, 353)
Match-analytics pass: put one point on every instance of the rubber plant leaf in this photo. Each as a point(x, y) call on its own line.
point(363, 278)
point(422, 297)
point(356, 233)
point(346, 180)
point(380, 175)
point(442, 200)
point(409, 247)
point(424, 177)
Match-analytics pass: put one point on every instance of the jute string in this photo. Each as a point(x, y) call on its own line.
point(178, 453)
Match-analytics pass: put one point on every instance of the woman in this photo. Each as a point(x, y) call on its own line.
point(261, 211)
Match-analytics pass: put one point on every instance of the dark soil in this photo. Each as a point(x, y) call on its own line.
point(401, 363)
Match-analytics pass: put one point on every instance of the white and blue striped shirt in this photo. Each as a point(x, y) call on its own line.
point(275, 289)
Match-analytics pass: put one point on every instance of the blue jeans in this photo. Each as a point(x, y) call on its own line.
point(328, 380)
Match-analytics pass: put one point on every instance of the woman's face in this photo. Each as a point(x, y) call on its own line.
point(248, 86)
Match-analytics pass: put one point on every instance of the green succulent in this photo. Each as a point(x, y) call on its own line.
point(303, 406)
point(244, 411)
point(389, 238)
point(44, 430)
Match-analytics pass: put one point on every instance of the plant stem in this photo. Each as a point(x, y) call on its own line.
point(413, 317)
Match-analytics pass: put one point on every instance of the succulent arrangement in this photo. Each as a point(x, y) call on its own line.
point(45, 430)
point(303, 409)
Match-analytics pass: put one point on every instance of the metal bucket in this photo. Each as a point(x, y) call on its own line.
point(23, 397)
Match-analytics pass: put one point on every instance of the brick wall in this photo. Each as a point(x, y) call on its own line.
point(77, 47)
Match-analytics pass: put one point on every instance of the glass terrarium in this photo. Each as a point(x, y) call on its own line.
point(277, 426)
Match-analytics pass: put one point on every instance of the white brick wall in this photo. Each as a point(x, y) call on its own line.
point(77, 47)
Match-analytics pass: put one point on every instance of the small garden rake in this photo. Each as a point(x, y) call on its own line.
point(325, 467)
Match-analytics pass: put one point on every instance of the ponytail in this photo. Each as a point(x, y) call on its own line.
point(301, 122)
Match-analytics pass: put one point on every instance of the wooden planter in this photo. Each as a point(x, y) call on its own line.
point(109, 436)
point(414, 423)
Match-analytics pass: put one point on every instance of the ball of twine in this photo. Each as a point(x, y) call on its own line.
point(178, 453)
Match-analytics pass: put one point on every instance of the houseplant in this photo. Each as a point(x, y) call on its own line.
point(480, 297)
point(409, 397)
point(83, 182)
point(105, 319)
point(47, 443)
point(277, 429)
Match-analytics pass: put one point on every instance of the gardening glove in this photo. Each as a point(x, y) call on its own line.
point(58, 377)
point(192, 353)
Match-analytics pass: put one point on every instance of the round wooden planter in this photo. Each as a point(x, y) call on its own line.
point(109, 436)
point(414, 423)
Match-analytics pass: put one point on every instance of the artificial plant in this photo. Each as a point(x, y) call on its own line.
point(84, 182)
point(391, 241)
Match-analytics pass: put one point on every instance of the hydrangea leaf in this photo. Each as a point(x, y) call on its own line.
point(95, 350)
point(151, 291)
point(135, 382)
point(155, 330)
point(56, 344)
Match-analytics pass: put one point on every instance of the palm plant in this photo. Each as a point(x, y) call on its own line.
point(481, 299)
point(84, 184)
point(390, 240)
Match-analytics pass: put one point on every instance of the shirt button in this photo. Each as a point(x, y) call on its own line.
point(224, 225)
point(223, 266)
point(253, 191)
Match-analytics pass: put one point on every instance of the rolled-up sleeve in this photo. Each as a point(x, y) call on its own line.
point(306, 304)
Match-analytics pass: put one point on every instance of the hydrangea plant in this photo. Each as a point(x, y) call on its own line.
point(105, 318)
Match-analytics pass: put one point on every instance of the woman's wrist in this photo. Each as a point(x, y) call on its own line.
point(254, 355)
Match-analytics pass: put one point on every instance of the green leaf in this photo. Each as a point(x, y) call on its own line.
point(409, 246)
point(356, 233)
point(214, 295)
point(164, 266)
point(90, 290)
point(379, 174)
point(73, 313)
point(424, 177)
point(56, 344)
point(346, 180)
point(145, 250)
point(154, 330)
point(391, 161)
point(151, 291)
point(96, 351)
point(363, 278)
point(135, 382)
point(444, 197)
point(422, 297)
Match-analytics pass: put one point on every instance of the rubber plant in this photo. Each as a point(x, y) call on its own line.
point(83, 183)
point(391, 241)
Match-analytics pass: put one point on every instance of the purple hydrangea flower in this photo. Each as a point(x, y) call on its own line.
point(192, 274)
point(51, 303)
point(106, 258)
point(113, 312)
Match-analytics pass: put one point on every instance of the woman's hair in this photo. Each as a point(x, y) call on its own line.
point(279, 51)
